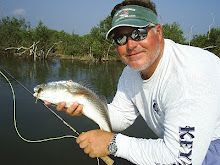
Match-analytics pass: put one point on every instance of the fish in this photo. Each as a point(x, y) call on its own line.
point(69, 91)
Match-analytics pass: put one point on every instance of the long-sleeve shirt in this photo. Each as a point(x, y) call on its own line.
point(180, 102)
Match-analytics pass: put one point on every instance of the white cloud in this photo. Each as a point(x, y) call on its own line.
point(19, 12)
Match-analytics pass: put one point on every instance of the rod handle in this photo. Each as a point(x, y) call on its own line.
point(107, 160)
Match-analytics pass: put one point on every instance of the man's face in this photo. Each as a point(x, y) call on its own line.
point(140, 55)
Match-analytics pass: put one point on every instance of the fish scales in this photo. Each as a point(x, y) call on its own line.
point(93, 99)
point(69, 92)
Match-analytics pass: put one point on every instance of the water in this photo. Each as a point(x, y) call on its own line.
point(36, 122)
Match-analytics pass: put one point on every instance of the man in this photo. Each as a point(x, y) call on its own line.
point(175, 88)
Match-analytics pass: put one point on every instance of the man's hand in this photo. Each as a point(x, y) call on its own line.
point(74, 110)
point(95, 143)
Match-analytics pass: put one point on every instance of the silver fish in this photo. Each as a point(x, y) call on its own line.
point(69, 92)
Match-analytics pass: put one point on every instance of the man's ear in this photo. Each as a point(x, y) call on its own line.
point(159, 30)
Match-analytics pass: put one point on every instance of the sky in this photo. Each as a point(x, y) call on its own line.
point(79, 16)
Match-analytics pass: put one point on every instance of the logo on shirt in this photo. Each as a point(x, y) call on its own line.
point(156, 107)
point(186, 136)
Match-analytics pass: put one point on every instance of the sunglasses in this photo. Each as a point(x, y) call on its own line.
point(137, 34)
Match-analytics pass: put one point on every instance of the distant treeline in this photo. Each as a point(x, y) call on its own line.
point(19, 38)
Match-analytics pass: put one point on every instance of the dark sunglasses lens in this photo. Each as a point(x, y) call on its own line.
point(120, 39)
point(136, 35)
point(139, 34)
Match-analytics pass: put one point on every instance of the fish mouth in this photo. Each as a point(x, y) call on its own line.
point(38, 89)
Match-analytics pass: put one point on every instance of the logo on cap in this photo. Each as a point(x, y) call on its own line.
point(126, 12)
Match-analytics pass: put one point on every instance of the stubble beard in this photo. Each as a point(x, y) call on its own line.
point(148, 64)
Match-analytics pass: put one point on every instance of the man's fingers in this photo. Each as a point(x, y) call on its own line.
point(83, 144)
point(61, 106)
point(78, 111)
point(75, 109)
point(72, 108)
point(82, 137)
point(47, 103)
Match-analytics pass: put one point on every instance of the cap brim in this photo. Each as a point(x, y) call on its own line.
point(127, 23)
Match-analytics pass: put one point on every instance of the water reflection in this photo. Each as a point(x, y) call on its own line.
point(36, 122)
point(103, 76)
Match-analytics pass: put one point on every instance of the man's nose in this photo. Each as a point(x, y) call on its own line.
point(131, 44)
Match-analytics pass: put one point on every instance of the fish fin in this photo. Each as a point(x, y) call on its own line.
point(87, 84)
point(103, 99)
point(94, 90)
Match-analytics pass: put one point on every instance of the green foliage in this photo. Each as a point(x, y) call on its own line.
point(199, 41)
point(210, 41)
point(173, 31)
point(42, 34)
point(16, 32)
point(12, 31)
point(98, 44)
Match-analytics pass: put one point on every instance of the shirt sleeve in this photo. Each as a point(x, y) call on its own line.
point(189, 127)
point(186, 140)
point(122, 112)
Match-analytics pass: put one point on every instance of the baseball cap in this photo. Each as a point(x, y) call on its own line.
point(132, 16)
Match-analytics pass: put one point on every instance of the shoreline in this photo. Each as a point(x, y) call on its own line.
point(65, 57)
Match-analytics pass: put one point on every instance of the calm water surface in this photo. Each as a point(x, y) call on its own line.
point(36, 122)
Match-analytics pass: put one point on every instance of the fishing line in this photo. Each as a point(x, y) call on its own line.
point(43, 103)
point(15, 80)
point(15, 121)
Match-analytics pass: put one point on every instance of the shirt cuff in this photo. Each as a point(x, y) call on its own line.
point(122, 143)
